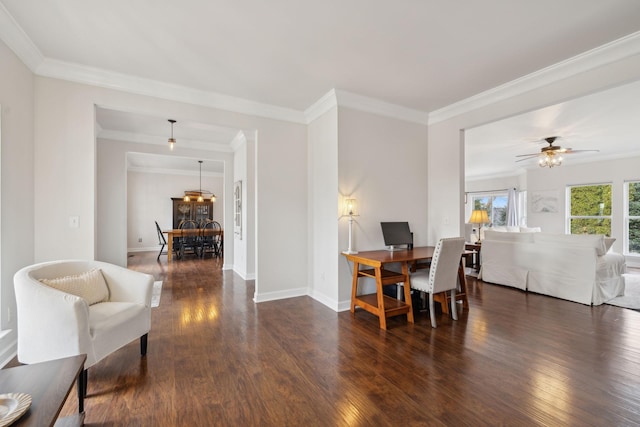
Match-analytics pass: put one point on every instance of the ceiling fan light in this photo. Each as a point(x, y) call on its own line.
point(186, 198)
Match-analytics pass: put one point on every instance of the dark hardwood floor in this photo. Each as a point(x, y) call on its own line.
point(217, 359)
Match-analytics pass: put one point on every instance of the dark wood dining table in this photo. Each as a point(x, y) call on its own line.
point(177, 232)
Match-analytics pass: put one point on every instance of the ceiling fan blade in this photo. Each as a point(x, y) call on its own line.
point(526, 158)
point(528, 155)
point(570, 151)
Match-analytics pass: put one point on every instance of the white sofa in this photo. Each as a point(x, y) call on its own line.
point(53, 324)
point(579, 268)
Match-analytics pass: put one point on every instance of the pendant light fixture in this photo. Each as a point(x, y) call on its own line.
point(172, 140)
point(199, 194)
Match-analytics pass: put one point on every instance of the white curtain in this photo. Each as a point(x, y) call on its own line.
point(512, 208)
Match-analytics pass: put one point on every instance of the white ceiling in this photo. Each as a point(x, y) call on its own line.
point(141, 128)
point(419, 54)
point(605, 121)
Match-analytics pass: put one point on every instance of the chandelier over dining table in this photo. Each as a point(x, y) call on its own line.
point(200, 194)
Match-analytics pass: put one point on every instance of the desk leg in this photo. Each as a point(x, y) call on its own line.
point(354, 286)
point(380, 294)
point(407, 291)
point(463, 285)
point(169, 246)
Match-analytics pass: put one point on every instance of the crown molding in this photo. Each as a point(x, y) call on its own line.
point(608, 53)
point(504, 174)
point(173, 92)
point(18, 41)
point(321, 106)
point(343, 98)
point(238, 141)
point(375, 106)
point(181, 172)
point(155, 140)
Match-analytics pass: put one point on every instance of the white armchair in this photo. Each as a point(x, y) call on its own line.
point(53, 324)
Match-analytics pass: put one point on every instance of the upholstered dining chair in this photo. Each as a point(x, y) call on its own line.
point(442, 276)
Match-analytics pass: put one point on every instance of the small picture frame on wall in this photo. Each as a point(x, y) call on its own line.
point(545, 201)
point(237, 210)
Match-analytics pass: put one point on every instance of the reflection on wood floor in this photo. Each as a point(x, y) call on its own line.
point(217, 359)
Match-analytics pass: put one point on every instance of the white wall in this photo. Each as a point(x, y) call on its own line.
point(382, 162)
point(557, 179)
point(112, 212)
point(324, 254)
point(446, 170)
point(244, 245)
point(149, 199)
point(16, 181)
point(66, 178)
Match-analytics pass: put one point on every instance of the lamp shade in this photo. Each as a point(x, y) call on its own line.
point(350, 207)
point(479, 217)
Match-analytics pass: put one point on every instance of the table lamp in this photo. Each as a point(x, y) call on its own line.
point(480, 218)
point(350, 209)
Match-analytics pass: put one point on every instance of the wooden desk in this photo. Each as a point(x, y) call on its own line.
point(176, 232)
point(49, 384)
point(382, 305)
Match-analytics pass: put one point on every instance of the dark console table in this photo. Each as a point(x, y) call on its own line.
point(49, 384)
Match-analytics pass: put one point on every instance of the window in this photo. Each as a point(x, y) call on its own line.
point(632, 218)
point(589, 209)
point(495, 205)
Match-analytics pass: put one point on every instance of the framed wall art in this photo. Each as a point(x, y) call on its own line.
point(237, 210)
point(545, 201)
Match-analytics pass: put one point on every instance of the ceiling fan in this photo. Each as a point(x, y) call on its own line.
point(552, 155)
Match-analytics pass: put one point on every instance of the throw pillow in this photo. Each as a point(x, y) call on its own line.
point(90, 286)
point(608, 242)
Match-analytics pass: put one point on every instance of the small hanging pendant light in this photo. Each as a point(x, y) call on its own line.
point(172, 140)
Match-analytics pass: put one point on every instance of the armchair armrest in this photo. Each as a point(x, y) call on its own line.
point(127, 285)
point(51, 324)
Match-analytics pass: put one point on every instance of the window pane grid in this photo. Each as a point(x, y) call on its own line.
point(495, 205)
point(632, 218)
point(590, 209)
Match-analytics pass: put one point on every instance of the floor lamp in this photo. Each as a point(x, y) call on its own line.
point(351, 211)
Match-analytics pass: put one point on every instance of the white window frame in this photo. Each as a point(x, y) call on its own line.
point(627, 218)
point(481, 195)
point(569, 217)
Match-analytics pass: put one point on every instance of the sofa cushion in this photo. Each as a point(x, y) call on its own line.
point(595, 241)
point(530, 229)
point(506, 228)
point(509, 237)
point(90, 286)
